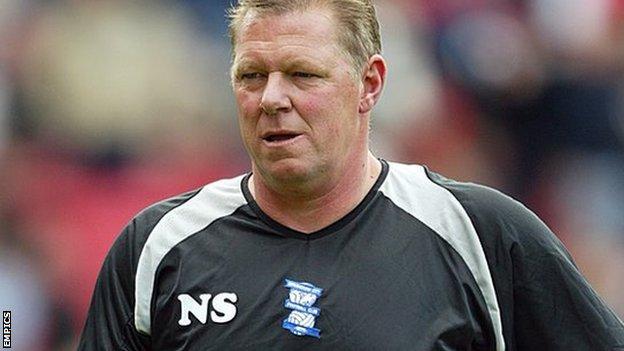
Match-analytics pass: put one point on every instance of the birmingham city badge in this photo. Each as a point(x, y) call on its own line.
point(301, 299)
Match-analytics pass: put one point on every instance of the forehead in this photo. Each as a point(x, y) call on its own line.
point(295, 32)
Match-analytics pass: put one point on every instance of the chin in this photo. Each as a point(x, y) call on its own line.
point(289, 170)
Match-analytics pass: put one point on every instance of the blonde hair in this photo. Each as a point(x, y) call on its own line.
point(358, 36)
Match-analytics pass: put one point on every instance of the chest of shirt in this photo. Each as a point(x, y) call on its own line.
point(417, 296)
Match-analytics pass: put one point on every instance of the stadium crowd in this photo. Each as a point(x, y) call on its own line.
point(106, 107)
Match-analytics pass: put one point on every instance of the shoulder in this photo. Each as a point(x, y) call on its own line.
point(213, 199)
point(184, 212)
point(424, 183)
point(499, 217)
point(147, 218)
point(501, 222)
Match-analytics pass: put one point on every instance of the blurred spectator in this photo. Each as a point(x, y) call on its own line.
point(96, 75)
point(413, 88)
point(37, 317)
point(4, 113)
point(12, 12)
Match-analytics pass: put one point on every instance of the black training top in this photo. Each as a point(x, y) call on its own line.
point(422, 263)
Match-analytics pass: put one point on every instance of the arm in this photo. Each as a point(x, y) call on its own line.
point(555, 308)
point(545, 302)
point(110, 321)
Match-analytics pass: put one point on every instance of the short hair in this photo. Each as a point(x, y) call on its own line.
point(358, 33)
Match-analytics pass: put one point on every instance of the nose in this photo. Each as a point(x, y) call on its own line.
point(275, 96)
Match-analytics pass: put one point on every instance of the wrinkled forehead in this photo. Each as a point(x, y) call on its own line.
point(291, 26)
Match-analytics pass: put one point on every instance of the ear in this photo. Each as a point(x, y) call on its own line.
point(373, 81)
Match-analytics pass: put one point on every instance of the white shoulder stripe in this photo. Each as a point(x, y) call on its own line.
point(409, 188)
point(214, 201)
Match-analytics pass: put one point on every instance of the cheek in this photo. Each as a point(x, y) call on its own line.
point(323, 107)
point(338, 109)
point(248, 104)
point(334, 126)
point(343, 122)
point(248, 109)
point(311, 105)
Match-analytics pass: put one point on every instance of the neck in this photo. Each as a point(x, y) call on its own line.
point(312, 209)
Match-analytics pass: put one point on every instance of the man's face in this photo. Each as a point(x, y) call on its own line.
point(297, 98)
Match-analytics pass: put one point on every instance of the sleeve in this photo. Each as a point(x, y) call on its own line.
point(110, 320)
point(545, 302)
point(555, 308)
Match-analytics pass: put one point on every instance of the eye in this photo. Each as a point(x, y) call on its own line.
point(304, 75)
point(250, 76)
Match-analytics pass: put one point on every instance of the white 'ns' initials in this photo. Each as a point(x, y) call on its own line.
point(223, 308)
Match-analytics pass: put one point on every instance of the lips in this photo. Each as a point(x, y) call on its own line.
point(279, 136)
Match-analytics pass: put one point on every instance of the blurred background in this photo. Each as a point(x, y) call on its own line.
point(108, 106)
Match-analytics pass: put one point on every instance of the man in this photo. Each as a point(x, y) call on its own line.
point(325, 247)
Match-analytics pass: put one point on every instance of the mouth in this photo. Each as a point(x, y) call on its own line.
point(279, 138)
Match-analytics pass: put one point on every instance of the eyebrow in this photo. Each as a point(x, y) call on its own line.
point(241, 65)
point(303, 63)
point(290, 64)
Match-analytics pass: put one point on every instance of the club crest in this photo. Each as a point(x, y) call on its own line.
point(300, 301)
